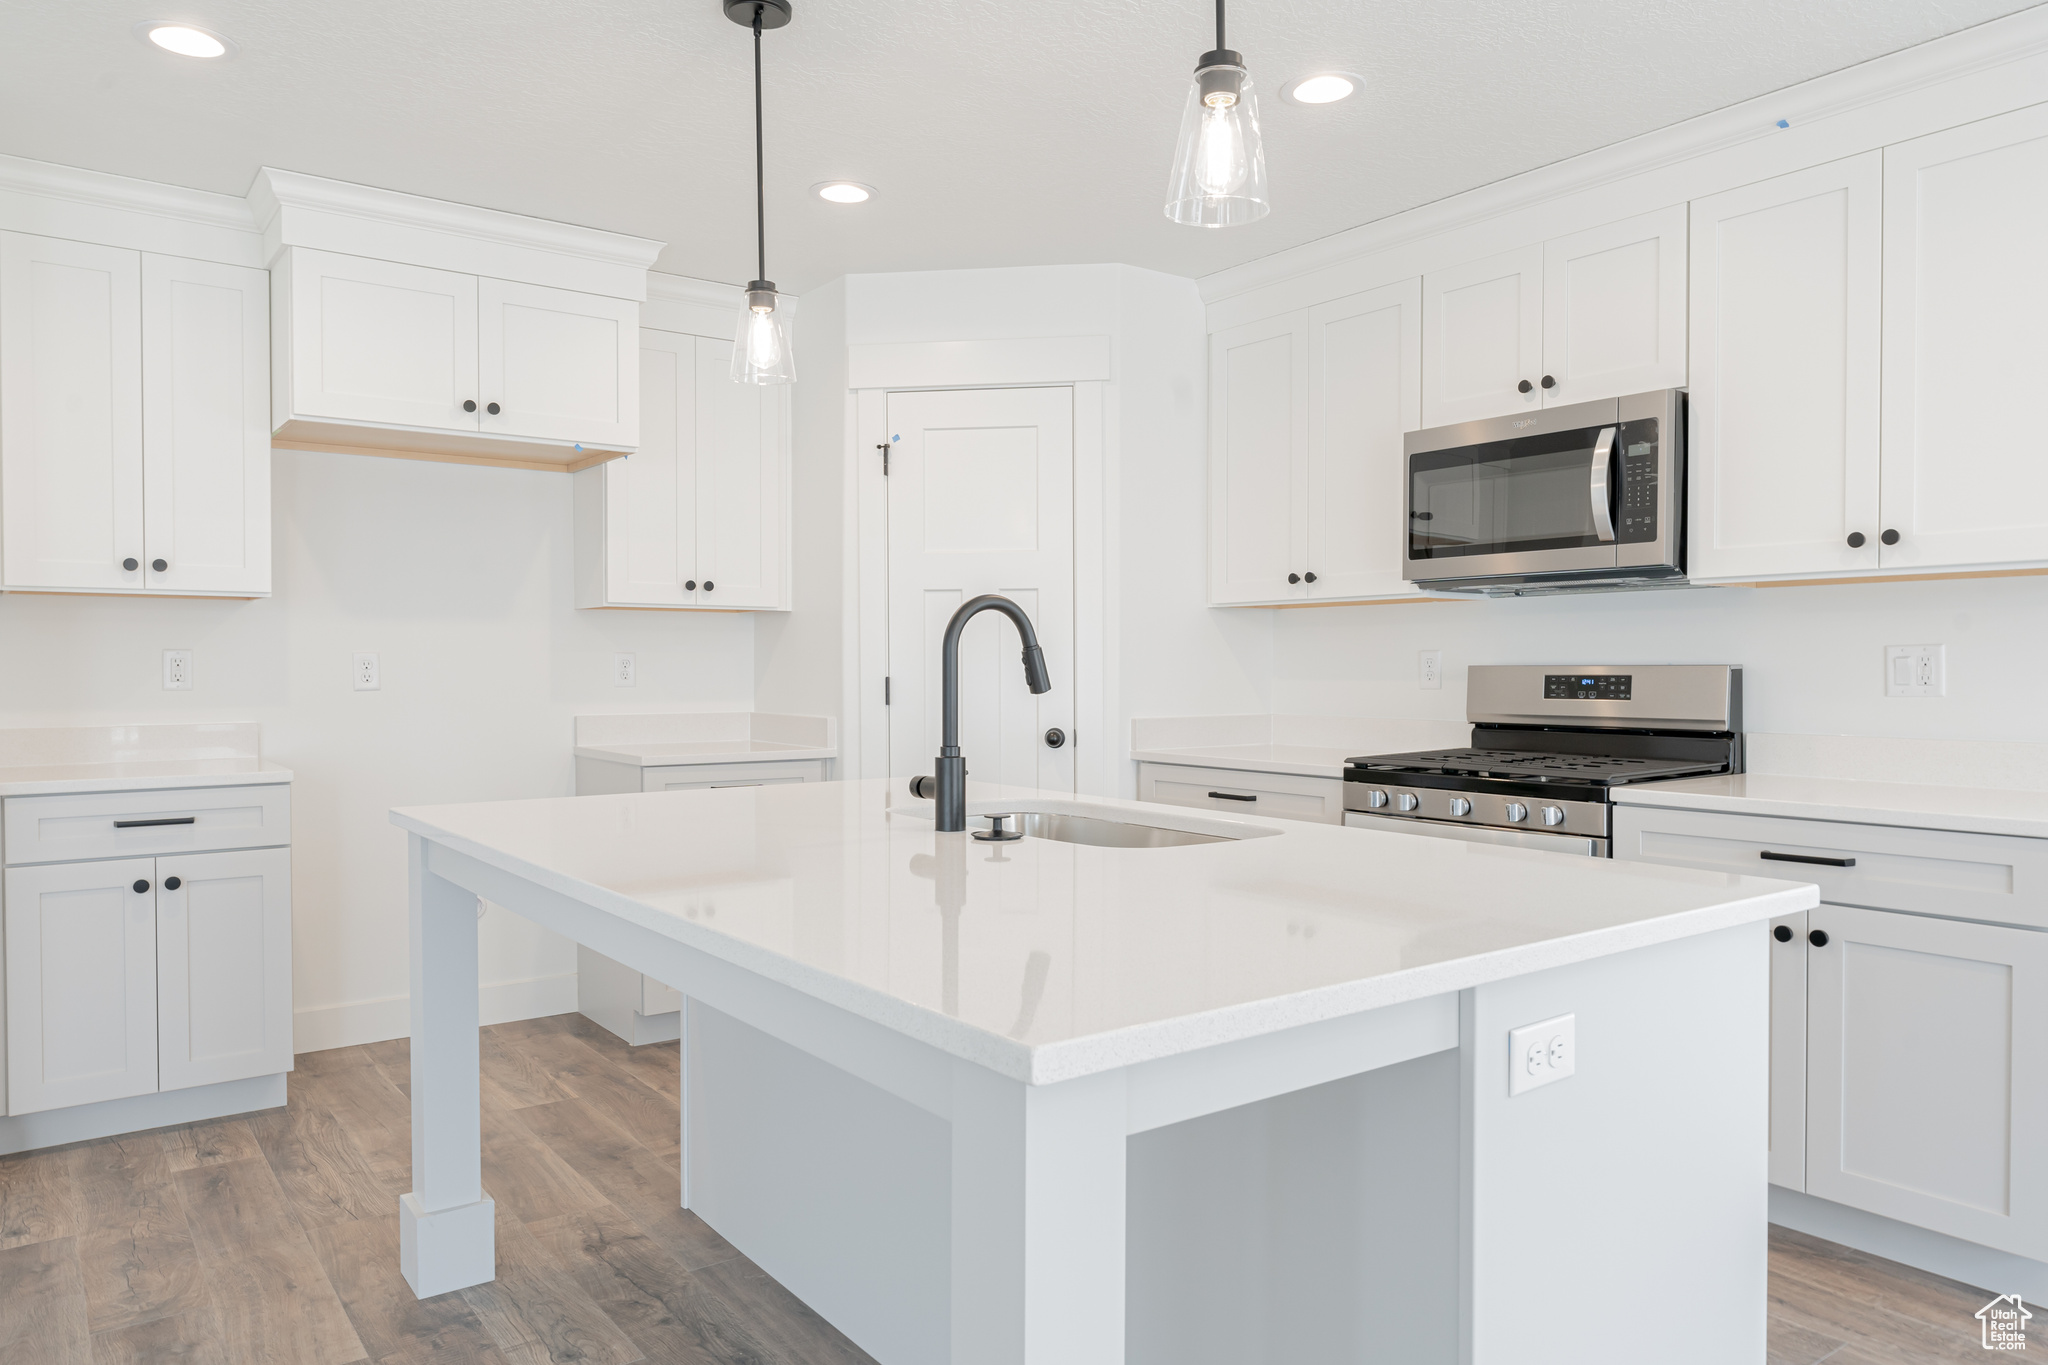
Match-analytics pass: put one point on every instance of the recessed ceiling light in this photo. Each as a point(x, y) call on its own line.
point(184, 39)
point(843, 192)
point(1323, 87)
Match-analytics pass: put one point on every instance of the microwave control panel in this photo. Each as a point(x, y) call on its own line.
point(1637, 521)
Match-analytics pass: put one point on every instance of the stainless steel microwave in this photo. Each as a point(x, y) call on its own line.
point(1581, 497)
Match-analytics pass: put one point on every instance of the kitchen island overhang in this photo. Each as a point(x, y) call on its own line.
point(1030, 1008)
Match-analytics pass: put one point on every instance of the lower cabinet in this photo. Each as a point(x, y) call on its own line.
point(1788, 1051)
point(1285, 795)
point(132, 975)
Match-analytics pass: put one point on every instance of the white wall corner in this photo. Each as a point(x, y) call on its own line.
point(320, 1028)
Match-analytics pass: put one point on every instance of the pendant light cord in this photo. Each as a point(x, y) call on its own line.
point(760, 171)
point(1219, 25)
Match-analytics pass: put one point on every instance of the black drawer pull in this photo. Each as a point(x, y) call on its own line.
point(1231, 796)
point(167, 820)
point(1769, 856)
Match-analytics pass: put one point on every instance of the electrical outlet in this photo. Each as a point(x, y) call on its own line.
point(1429, 668)
point(622, 670)
point(1915, 671)
point(177, 670)
point(363, 668)
point(1541, 1053)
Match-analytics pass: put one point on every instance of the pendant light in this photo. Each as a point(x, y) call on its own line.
point(761, 354)
point(1219, 165)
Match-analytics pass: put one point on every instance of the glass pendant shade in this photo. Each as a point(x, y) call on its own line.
point(1219, 165)
point(761, 354)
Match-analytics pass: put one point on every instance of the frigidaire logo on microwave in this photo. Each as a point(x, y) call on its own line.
point(1525, 422)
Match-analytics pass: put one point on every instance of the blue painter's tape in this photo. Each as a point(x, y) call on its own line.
point(1783, 124)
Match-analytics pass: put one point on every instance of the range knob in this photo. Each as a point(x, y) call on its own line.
point(1405, 801)
point(1375, 798)
point(1553, 815)
point(1460, 806)
point(1517, 812)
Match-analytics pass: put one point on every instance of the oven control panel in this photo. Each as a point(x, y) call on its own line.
point(1588, 686)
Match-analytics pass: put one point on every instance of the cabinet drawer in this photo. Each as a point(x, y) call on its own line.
point(1320, 799)
point(1992, 877)
point(53, 829)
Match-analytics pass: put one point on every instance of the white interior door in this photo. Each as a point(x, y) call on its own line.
point(70, 414)
point(379, 342)
point(1965, 293)
point(1482, 338)
point(224, 966)
point(651, 495)
point(205, 426)
point(1365, 392)
point(557, 364)
point(981, 500)
point(1258, 460)
point(1614, 309)
point(740, 470)
point(81, 983)
point(1787, 289)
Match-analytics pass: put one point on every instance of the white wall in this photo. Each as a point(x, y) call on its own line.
point(459, 577)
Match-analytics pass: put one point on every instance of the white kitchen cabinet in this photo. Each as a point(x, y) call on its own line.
point(1595, 314)
point(81, 983)
point(70, 415)
point(224, 966)
point(1787, 290)
point(134, 422)
point(557, 365)
point(699, 515)
point(1927, 1073)
point(1965, 473)
point(1258, 460)
point(375, 342)
point(1788, 1051)
point(1288, 796)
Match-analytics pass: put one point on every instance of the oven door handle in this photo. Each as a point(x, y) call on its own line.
point(1603, 506)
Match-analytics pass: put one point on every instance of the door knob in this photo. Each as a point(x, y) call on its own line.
point(709, 585)
point(140, 887)
point(1855, 540)
point(491, 408)
point(1890, 537)
point(158, 565)
point(1548, 382)
point(130, 565)
point(1783, 933)
point(1055, 737)
point(1308, 578)
point(172, 883)
point(1524, 386)
point(690, 586)
point(469, 405)
point(1294, 578)
point(1818, 938)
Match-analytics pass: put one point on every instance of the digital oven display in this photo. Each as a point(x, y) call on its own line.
point(1587, 686)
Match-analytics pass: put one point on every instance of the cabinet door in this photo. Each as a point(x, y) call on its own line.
point(650, 498)
point(224, 965)
point(1482, 338)
point(1965, 291)
point(70, 414)
point(1364, 392)
point(1927, 1074)
point(560, 365)
point(382, 343)
point(1614, 309)
point(1786, 294)
point(1788, 1051)
point(81, 983)
point(741, 458)
point(205, 426)
point(1258, 460)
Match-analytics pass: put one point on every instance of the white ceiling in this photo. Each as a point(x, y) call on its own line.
point(996, 132)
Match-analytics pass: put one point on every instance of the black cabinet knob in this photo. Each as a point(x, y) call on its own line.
point(709, 585)
point(1294, 578)
point(491, 408)
point(130, 565)
point(1308, 578)
point(172, 883)
point(1818, 938)
point(469, 405)
point(1855, 540)
point(1783, 933)
point(1055, 737)
point(1524, 386)
point(690, 585)
point(158, 565)
point(140, 887)
point(1890, 537)
point(1548, 382)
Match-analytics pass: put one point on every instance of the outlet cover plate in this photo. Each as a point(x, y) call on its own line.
point(363, 668)
point(1915, 671)
point(177, 670)
point(622, 670)
point(1429, 669)
point(1541, 1053)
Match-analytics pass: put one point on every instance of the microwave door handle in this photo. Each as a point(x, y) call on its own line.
point(1603, 509)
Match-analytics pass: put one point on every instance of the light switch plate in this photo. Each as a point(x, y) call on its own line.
point(177, 670)
point(363, 667)
point(1541, 1053)
point(1915, 671)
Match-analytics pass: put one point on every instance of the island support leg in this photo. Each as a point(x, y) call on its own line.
point(445, 1225)
point(1038, 1220)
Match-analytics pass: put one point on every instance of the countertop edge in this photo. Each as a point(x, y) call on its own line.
point(606, 754)
point(1884, 815)
point(63, 786)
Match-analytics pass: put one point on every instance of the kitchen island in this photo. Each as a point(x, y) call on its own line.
point(1243, 1097)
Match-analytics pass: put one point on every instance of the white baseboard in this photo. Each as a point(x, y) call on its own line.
point(372, 1021)
point(1999, 1272)
point(139, 1113)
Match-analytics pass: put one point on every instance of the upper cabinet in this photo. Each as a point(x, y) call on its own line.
point(1596, 314)
point(1307, 412)
point(134, 422)
point(698, 516)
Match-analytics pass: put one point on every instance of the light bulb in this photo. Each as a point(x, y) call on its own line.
point(764, 348)
point(1220, 163)
point(761, 352)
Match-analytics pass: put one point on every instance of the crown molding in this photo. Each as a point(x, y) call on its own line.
point(689, 289)
point(98, 189)
point(1955, 57)
point(116, 210)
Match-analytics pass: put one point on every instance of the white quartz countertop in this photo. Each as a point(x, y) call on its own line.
point(1302, 760)
point(656, 754)
point(1046, 960)
point(139, 775)
point(1973, 810)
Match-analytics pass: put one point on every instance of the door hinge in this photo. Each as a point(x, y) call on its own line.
point(885, 690)
point(884, 448)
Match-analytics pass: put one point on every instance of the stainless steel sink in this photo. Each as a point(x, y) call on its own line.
point(1086, 829)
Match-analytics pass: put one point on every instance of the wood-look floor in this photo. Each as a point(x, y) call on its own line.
point(274, 1238)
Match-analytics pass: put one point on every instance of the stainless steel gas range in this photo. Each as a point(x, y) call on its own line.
point(1549, 745)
